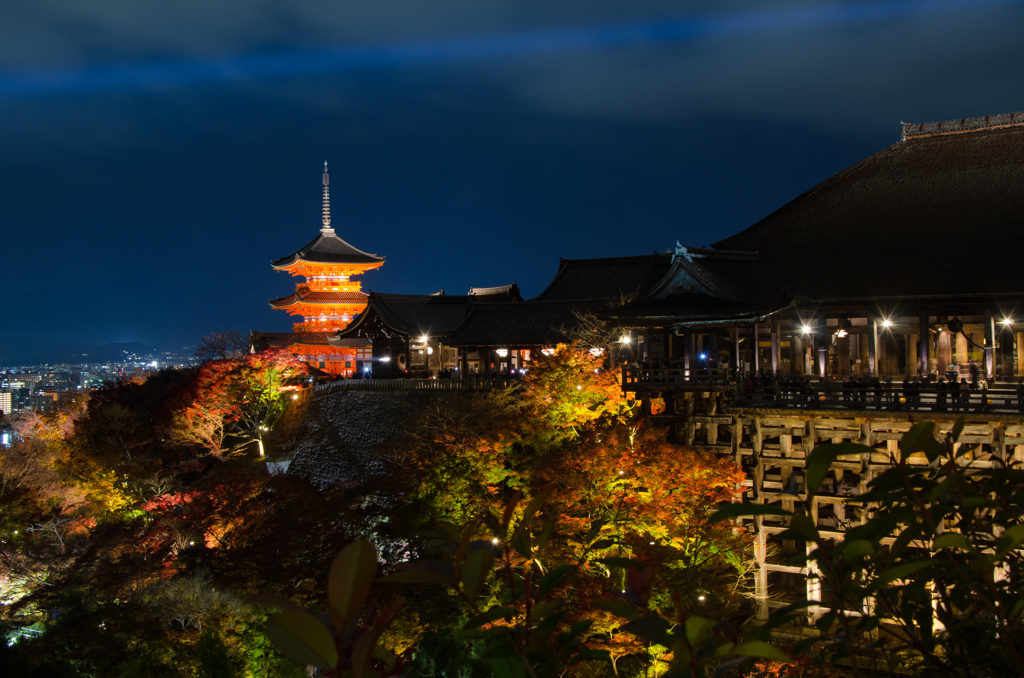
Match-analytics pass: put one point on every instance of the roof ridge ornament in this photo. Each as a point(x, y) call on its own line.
point(326, 228)
point(943, 127)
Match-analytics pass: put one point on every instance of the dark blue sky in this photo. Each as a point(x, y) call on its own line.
point(155, 159)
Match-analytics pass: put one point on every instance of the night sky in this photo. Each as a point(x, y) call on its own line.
point(155, 157)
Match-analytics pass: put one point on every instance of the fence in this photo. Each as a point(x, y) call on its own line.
point(412, 385)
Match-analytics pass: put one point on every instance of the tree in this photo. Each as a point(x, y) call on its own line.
point(242, 399)
point(227, 345)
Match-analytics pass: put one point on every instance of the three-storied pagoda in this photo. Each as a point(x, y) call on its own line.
point(327, 298)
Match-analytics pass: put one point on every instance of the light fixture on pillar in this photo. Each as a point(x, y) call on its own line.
point(886, 323)
point(625, 339)
point(806, 329)
point(1007, 321)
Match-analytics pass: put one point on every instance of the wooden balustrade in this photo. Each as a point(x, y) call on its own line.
point(412, 385)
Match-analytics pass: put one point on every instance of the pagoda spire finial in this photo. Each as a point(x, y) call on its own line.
point(326, 228)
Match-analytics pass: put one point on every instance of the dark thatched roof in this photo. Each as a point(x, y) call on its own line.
point(939, 214)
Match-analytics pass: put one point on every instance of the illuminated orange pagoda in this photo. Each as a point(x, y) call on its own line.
point(327, 298)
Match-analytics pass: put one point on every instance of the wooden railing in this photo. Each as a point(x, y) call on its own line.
point(916, 396)
point(412, 385)
point(831, 393)
point(643, 377)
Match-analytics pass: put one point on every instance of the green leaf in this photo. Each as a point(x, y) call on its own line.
point(940, 490)
point(554, 577)
point(1014, 536)
point(958, 428)
point(905, 537)
point(348, 583)
point(821, 459)
point(921, 438)
point(303, 639)
point(698, 629)
point(474, 572)
point(899, 572)
point(761, 650)
point(858, 548)
point(487, 616)
point(602, 544)
point(521, 544)
point(545, 534)
point(652, 628)
point(532, 508)
point(364, 647)
point(951, 540)
point(543, 609)
point(617, 607)
point(730, 511)
point(801, 527)
point(414, 577)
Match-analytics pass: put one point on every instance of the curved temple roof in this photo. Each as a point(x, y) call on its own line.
point(328, 248)
point(940, 213)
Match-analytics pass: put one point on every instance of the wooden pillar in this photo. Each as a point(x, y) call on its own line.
point(1019, 338)
point(713, 358)
point(755, 335)
point(737, 365)
point(873, 347)
point(990, 344)
point(922, 344)
point(821, 344)
point(775, 346)
point(485, 360)
point(688, 339)
point(797, 357)
point(647, 342)
point(944, 348)
point(464, 363)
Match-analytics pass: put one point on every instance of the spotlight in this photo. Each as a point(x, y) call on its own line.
point(1007, 321)
point(806, 329)
point(886, 322)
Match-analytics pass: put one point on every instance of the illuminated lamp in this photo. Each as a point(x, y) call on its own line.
point(806, 329)
point(430, 351)
point(548, 351)
point(423, 338)
point(886, 323)
point(596, 351)
point(502, 352)
point(386, 358)
point(1007, 321)
point(625, 340)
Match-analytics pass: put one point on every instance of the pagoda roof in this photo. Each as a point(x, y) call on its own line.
point(326, 298)
point(264, 340)
point(940, 213)
point(408, 314)
point(328, 248)
point(607, 278)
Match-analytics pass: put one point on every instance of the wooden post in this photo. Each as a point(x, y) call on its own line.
point(736, 349)
point(922, 344)
point(1019, 338)
point(943, 348)
point(647, 342)
point(775, 346)
point(873, 347)
point(464, 363)
point(755, 336)
point(990, 344)
point(485, 360)
point(797, 357)
point(688, 340)
point(713, 358)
